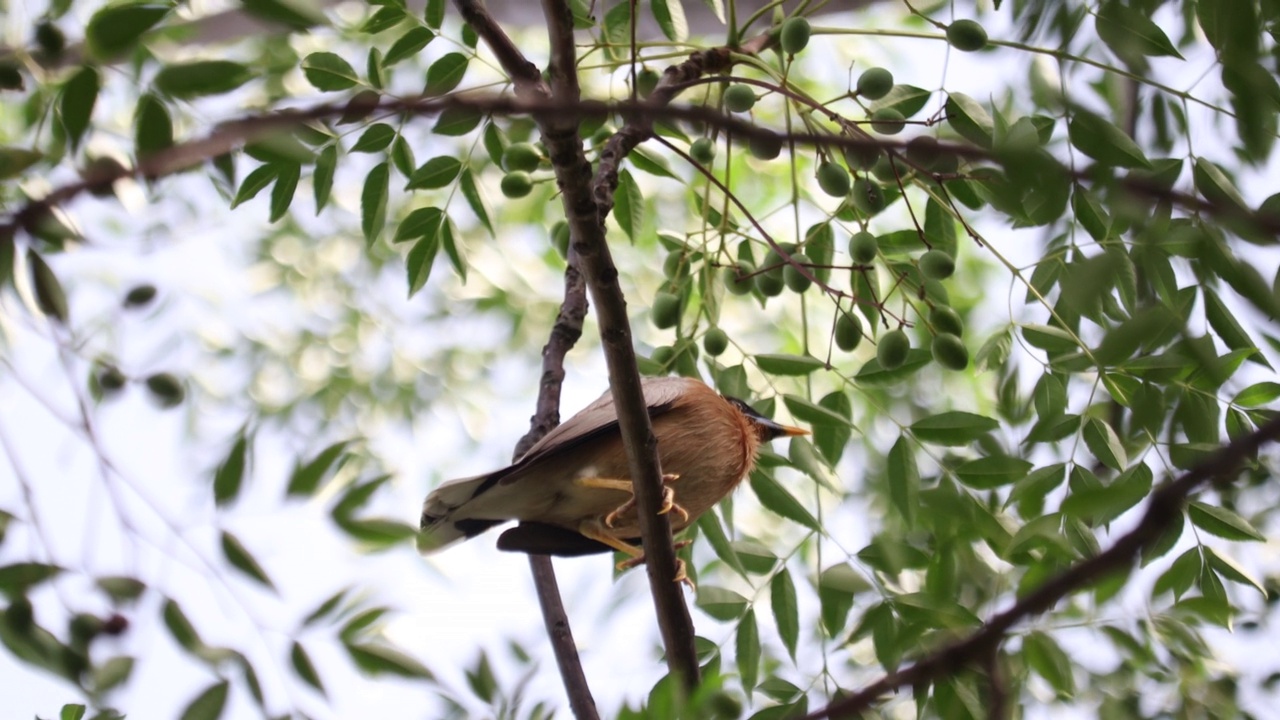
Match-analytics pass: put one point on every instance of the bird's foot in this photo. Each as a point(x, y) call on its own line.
point(668, 504)
point(682, 574)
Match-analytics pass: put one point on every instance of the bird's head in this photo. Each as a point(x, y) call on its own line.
point(766, 429)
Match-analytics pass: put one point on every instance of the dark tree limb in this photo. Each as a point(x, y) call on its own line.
point(1164, 506)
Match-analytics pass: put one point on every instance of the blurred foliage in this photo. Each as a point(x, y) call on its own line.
point(1008, 307)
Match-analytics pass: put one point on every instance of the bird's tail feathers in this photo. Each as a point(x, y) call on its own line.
point(440, 527)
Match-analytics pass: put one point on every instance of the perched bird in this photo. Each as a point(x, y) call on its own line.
point(571, 492)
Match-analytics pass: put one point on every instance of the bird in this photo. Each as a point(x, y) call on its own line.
point(571, 492)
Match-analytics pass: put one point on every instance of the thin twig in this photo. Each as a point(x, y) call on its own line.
point(1165, 505)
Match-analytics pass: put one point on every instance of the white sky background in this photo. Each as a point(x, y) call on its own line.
point(450, 606)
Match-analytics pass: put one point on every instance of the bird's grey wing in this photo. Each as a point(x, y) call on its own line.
point(597, 419)
point(538, 538)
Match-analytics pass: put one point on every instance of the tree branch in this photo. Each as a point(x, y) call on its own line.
point(1165, 504)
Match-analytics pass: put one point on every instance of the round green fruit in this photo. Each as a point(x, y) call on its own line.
point(923, 151)
point(848, 331)
point(666, 310)
point(863, 246)
point(875, 83)
point(166, 389)
point(833, 179)
point(715, 342)
point(739, 280)
point(663, 355)
point(937, 265)
point(892, 349)
point(646, 80)
point(887, 121)
point(795, 35)
point(676, 266)
point(867, 196)
point(560, 237)
point(949, 351)
point(139, 296)
point(966, 35)
point(770, 285)
point(110, 379)
point(944, 319)
point(516, 184)
point(703, 150)
point(739, 98)
point(792, 276)
point(521, 156)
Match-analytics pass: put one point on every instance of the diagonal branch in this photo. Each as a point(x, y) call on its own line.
point(1165, 505)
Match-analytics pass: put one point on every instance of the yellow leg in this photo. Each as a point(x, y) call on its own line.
point(668, 496)
point(592, 529)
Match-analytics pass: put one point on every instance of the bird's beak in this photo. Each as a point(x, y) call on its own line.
point(773, 430)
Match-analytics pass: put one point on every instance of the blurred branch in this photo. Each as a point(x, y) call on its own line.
point(1164, 506)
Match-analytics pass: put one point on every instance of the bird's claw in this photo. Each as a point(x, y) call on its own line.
point(668, 503)
point(682, 574)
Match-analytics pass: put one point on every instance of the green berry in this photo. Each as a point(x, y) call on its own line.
point(875, 83)
point(739, 279)
point(862, 157)
point(676, 265)
point(770, 285)
point(949, 351)
point(848, 331)
point(944, 319)
point(863, 246)
point(663, 355)
point(937, 265)
point(50, 39)
point(703, 150)
point(560, 238)
point(521, 156)
point(795, 35)
point(666, 310)
point(109, 378)
point(140, 296)
point(923, 151)
point(516, 184)
point(887, 121)
point(646, 81)
point(715, 342)
point(966, 35)
point(867, 196)
point(791, 274)
point(892, 349)
point(739, 98)
point(833, 179)
point(166, 389)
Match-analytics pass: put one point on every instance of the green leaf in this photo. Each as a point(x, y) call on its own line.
point(449, 242)
point(408, 45)
point(322, 176)
point(628, 207)
point(1215, 186)
point(1102, 504)
point(50, 297)
point(383, 660)
point(1050, 662)
point(326, 608)
point(710, 527)
point(13, 161)
point(373, 202)
point(1227, 568)
point(777, 499)
point(906, 99)
point(183, 632)
point(446, 73)
point(1257, 395)
point(421, 223)
point(282, 193)
point(788, 364)
point(904, 479)
point(121, 589)
point(202, 77)
point(254, 182)
point(1224, 322)
point(435, 173)
point(1222, 522)
point(953, 428)
point(671, 19)
point(645, 161)
point(872, 373)
point(387, 17)
point(455, 122)
point(421, 258)
point(1104, 444)
point(79, 95)
point(295, 14)
point(306, 478)
point(375, 138)
point(327, 72)
point(747, 649)
point(1130, 33)
point(1180, 576)
point(240, 558)
point(108, 675)
point(117, 28)
point(434, 13)
point(377, 533)
point(153, 128)
point(721, 603)
point(992, 472)
point(1103, 141)
point(303, 666)
point(475, 200)
point(837, 586)
point(786, 611)
point(18, 578)
point(209, 704)
point(968, 118)
point(229, 477)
